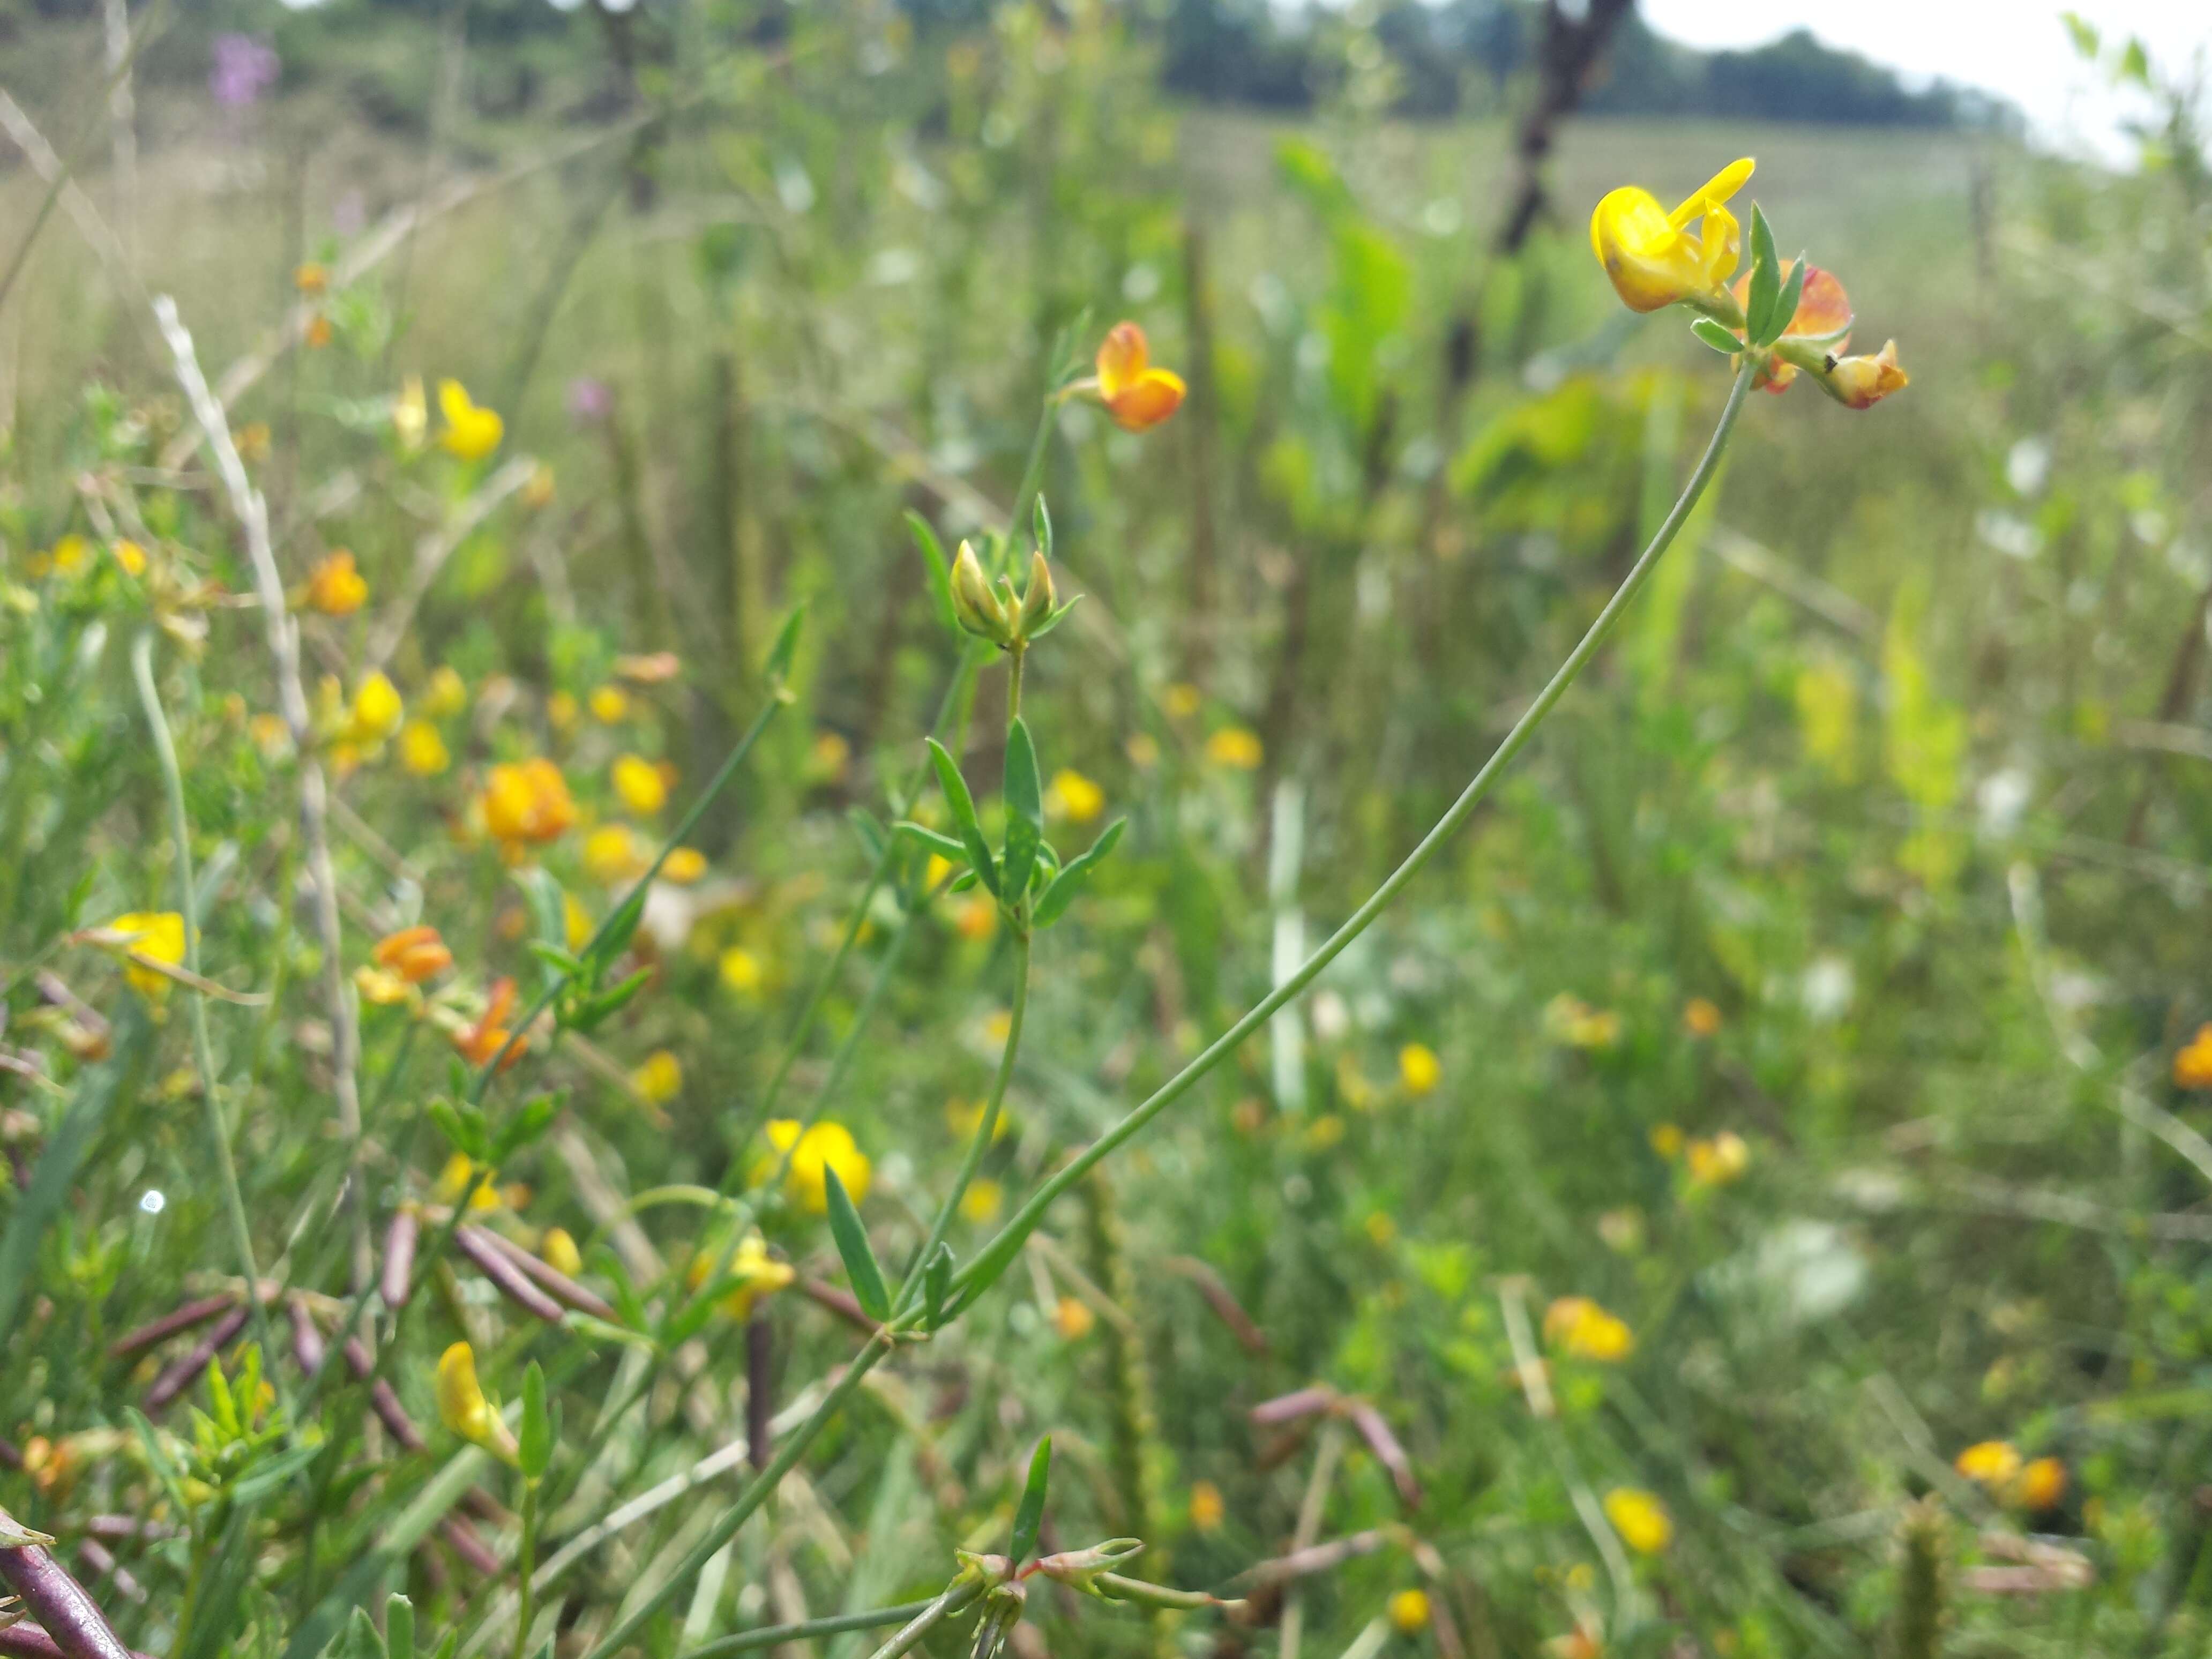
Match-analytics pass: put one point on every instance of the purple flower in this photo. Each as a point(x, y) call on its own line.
point(590, 399)
point(245, 68)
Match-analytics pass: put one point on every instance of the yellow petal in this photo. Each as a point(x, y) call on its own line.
point(1718, 188)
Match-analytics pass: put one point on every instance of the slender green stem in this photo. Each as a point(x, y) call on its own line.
point(526, 1565)
point(1025, 495)
point(999, 1252)
point(986, 1128)
point(957, 1595)
point(769, 1636)
point(1015, 658)
point(233, 1202)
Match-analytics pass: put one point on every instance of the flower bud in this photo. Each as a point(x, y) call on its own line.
point(1039, 601)
point(1862, 382)
point(978, 609)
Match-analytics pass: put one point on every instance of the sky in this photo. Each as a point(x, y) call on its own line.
point(2017, 48)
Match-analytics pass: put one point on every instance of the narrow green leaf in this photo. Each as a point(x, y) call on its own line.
point(940, 571)
point(621, 928)
point(1785, 304)
point(398, 1626)
point(786, 647)
point(1766, 277)
point(936, 1280)
point(963, 815)
point(360, 1640)
point(852, 1239)
point(562, 965)
point(530, 1120)
point(464, 1133)
point(1069, 882)
point(1025, 794)
point(596, 1012)
point(1044, 528)
point(1715, 336)
point(1054, 620)
point(1029, 1518)
point(943, 845)
point(535, 1440)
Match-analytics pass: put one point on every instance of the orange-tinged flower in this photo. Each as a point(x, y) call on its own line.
point(472, 431)
point(318, 331)
point(1653, 258)
point(1207, 1507)
point(2041, 1484)
point(1137, 395)
point(1587, 1331)
point(1073, 1319)
point(480, 1043)
point(684, 865)
point(416, 954)
point(527, 801)
point(2192, 1065)
point(1823, 319)
point(311, 278)
point(1701, 1017)
point(1862, 382)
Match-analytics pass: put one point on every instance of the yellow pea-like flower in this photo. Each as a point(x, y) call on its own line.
point(376, 712)
point(462, 1408)
point(423, 752)
point(638, 783)
point(1074, 797)
point(1652, 257)
point(1640, 1518)
point(815, 1151)
point(472, 431)
point(1138, 395)
point(157, 935)
point(1418, 1068)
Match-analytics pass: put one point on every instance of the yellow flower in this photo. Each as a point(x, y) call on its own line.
point(612, 855)
point(1862, 382)
point(446, 695)
point(1640, 1518)
point(416, 954)
point(458, 1177)
point(1143, 751)
point(70, 554)
point(1418, 1068)
point(253, 441)
point(1701, 1017)
point(527, 801)
point(828, 1145)
point(983, 1201)
point(1994, 1463)
point(639, 782)
point(1206, 1508)
point(2041, 1484)
point(1409, 1612)
point(827, 760)
point(462, 1408)
point(1667, 1141)
point(1717, 1162)
point(1650, 254)
point(1569, 1019)
point(684, 865)
point(422, 751)
point(1137, 395)
point(559, 1252)
point(561, 710)
point(1587, 1331)
point(1181, 700)
point(755, 1272)
point(660, 1078)
point(472, 432)
point(410, 414)
point(2192, 1064)
point(311, 278)
point(382, 987)
point(131, 556)
point(156, 935)
point(976, 917)
point(270, 735)
point(1235, 747)
point(1382, 1230)
point(318, 331)
point(608, 703)
point(1074, 797)
point(965, 1117)
point(741, 970)
point(1072, 1318)
point(376, 711)
point(575, 920)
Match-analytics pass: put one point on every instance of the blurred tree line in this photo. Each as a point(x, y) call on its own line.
point(1446, 58)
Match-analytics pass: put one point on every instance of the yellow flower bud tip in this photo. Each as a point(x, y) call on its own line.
point(1409, 1612)
point(975, 606)
point(472, 432)
point(1652, 258)
point(462, 1408)
point(1640, 1518)
point(557, 1250)
point(1038, 599)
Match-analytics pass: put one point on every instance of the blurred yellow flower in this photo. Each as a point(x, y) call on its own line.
point(1994, 1463)
point(1717, 1162)
point(1569, 1019)
point(612, 855)
point(527, 801)
point(2192, 1064)
point(1136, 394)
point(71, 554)
point(1651, 255)
point(472, 432)
point(983, 1201)
point(608, 703)
point(965, 1117)
point(1236, 747)
point(270, 735)
point(156, 935)
point(756, 1273)
point(997, 1026)
point(562, 710)
point(462, 1408)
point(1073, 1319)
point(975, 917)
point(416, 954)
point(311, 278)
point(1418, 1068)
point(317, 333)
point(1701, 1017)
point(575, 920)
point(1206, 1508)
point(828, 1145)
point(638, 781)
point(383, 988)
point(741, 970)
point(410, 414)
point(1587, 1331)
point(559, 1252)
point(422, 751)
point(1667, 1141)
point(1409, 1612)
point(827, 760)
point(459, 1175)
point(1074, 797)
point(1143, 751)
point(659, 1078)
point(684, 865)
point(537, 489)
point(1640, 1518)
point(376, 711)
point(447, 694)
point(2042, 1484)
point(131, 556)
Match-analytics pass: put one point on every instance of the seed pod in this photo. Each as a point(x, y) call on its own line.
point(399, 1258)
point(70, 1618)
point(494, 1265)
point(381, 1399)
point(307, 1350)
point(183, 1373)
point(555, 1283)
point(170, 1324)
